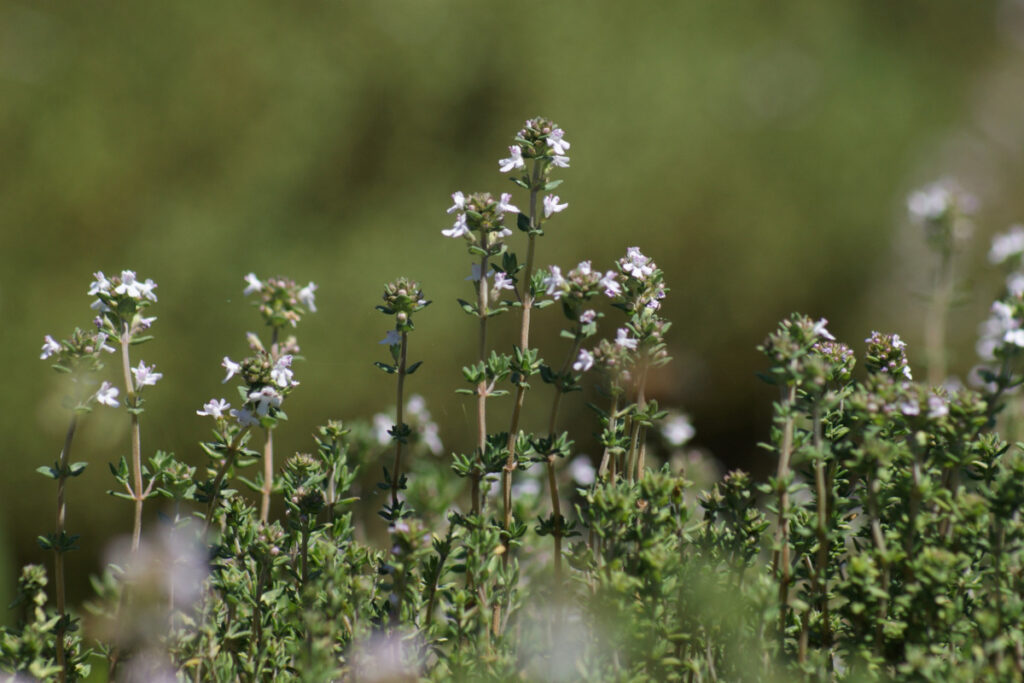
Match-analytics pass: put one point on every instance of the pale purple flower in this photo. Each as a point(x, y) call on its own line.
point(215, 407)
point(611, 285)
point(474, 272)
point(910, 408)
point(307, 297)
point(584, 361)
point(937, 407)
point(281, 373)
point(636, 264)
point(101, 284)
point(515, 159)
point(459, 229)
point(505, 207)
point(50, 347)
point(231, 366)
point(265, 399)
point(460, 202)
point(930, 203)
point(588, 316)
point(381, 426)
point(503, 281)
point(145, 323)
point(560, 161)
point(551, 205)
point(107, 395)
point(623, 340)
point(1007, 245)
point(98, 305)
point(820, 331)
point(392, 338)
point(677, 429)
point(557, 142)
point(554, 282)
point(129, 285)
point(1015, 337)
point(252, 284)
point(583, 269)
point(101, 343)
point(245, 417)
point(582, 470)
point(144, 375)
point(146, 288)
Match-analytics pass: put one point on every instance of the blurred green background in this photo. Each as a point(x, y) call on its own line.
point(760, 152)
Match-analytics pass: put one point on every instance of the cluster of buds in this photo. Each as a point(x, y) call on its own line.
point(281, 301)
point(402, 298)
point(887, 354)
point(303, 479)
point(540, 139)
point(942, 209)
point(837, 361)
point(79, 352)
point(480, 218)
point(643, 281)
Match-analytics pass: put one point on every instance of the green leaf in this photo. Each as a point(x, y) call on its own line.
point(552, 184)
point(412, 368)
point(390, 369)
point(48, 471)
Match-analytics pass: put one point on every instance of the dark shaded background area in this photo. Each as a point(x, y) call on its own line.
point(760, 154)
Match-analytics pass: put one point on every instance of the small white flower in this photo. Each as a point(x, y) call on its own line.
point(307, 297)
point(582, 470)
point(1007, 245)
point(623, 340)
point(460, 203)
point(392, 338)
point(503, 281)
point(906, 372)
point(636, 264)
point(556, 141)
point(611, 285)
point(381, 426)
point(929, 203)
point(252, 284)
point(231, 366)
point(282, 374)
point(245, 417)
point(146, 288)
point(144, 375)
point(215, 407)
point(588, 316)
point(910, 408)
point(101, 284)
point(677, 430)
point(505, 207)
point(554, 282)
point(459, 229)
point(107, 395)
point(525, 487)
point(820, 331)
point(583, 269)
point(50, 347)
point(101, 343)
point(584, 361)
point(1015, 283)
point(431, 438)
point(560, 161)
point(898, 343)
point(937, 407)
point(551, 205)
point(265, 399)
point(145, 323)
point(515, 159)
point(1015, 337)
point(129, 285)
point(99, 306)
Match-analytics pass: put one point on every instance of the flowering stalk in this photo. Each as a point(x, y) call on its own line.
point(400, 405)
point(481, 390)
point(131, 399)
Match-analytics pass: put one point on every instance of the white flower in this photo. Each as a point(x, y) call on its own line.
point(937, 407)
point(392, 338)
point(551, 205)
point(582, 470)
point(1015, 337)
point(505, 207)
point(98, 305)
point(583, 269)
point(431, 438)
point(554, 282)
point(50, 347)
point(129, 285)
point(107, 395)
point(910, 408)
point(1007, 245)
point(381, 426)
point(145, 323)
point(101, 284)
point(556, 141)
point(611, 285)
point(636, 264)
point(819, 329)
point(282, 374)
point(623, 340)
point(459, 229)
point(560, 161)
point(898, 343)
point(101, 343)
point(265, 399)
point(231, 366)
point(1015, 283)
point(929, 203)
point(677, 430)
point(245, 417)
point(215, 407)
point(584, 361)
point(144, 376)
point(515, 159)
point(588, 316)
point(307, 297)
point(502, 281)
point(460, 202)
point(146, 288)
point(252, 284)
point(525, 487)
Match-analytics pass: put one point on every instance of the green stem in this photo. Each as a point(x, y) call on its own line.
point(481, 389)
point(131, 400)
point(782, 562)
point(58, 549)
point(267, 489)
point(399, 415)
point(222, 471)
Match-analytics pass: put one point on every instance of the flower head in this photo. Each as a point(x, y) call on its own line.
point(144, 375)
point(245, 417)
point(514, 160)
point(392, 338)
point(252, 284)
point(265, 399)
point(281, 374)
point(552, 206)
point(554, 283)
point(107, 395)
point(623, 340)
point(231, 366)
point(215, 407)
point(50, 347)
point(584, 361)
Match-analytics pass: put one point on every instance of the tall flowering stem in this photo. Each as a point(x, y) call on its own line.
point(402, 298)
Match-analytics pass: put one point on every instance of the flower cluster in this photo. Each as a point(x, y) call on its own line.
point(886, 354)
point(541, 139)
point(942, 208)
point(402, 298)
point(642, 279)
point(480, 213)
point(281, 301)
